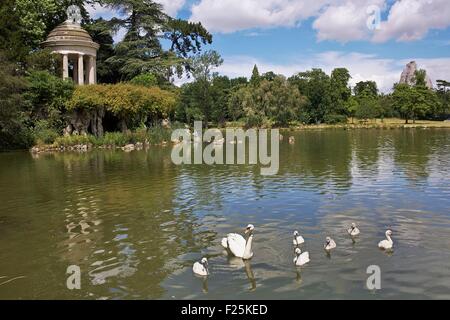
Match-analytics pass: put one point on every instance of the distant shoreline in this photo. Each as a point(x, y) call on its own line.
point(88, 143)
point(370, 124)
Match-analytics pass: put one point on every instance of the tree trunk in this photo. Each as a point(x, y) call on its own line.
point(123, 126)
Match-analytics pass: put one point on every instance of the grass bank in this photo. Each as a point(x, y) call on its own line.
point(157, 135)
point(390, 123)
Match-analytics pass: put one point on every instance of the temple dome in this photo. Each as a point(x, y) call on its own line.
point(70, 34)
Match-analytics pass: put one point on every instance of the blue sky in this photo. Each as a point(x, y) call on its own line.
point(289, 36)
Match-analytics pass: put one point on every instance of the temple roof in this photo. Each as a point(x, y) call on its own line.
point(69, 33)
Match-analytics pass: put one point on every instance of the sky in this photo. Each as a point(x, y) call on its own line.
point(373, 39)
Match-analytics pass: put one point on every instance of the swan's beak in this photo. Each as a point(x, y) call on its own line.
point(247, 230)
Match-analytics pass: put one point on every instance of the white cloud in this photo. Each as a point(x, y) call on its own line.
point(172, 7)
point(362, 67)
point(341, 20)
point(346, 21)
point(96, 11)
point(410, 20)
point(233, 15)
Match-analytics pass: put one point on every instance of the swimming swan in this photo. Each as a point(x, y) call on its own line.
point(353, 231)
point(301, 258)
point(388, 243)
point(298, 239)
point(201, 268)
point(239, 246)
point(329, 244)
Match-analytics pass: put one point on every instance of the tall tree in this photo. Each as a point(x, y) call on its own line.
point(370, 87)
point(255, 79)
point(340, 93)
point(315, 85)
point(101, 32)
point(13, 131)
point(197, 98)
point(146, 25)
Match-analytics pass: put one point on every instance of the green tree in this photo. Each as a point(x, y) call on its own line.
point(413, 102)
point(366, 96)
point(13, 118)
point(141, 49)
point(352, 106)
point(316, 86)
point(255, 79)
point(46, 98)
point(443, 94)
point(340, 94)
point(101, 32)
point(366, 87)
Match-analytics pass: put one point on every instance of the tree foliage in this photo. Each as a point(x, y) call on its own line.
point(136, 105)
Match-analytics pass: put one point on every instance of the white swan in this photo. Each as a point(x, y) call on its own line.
point(329, 244)
point(301, 258)
point(298, 239)
point(388, 243)
point(353, 230)
point(201, 268)
point(238, 246)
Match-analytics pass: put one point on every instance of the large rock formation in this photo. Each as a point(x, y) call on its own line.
point(408, 75)
point(83, 122)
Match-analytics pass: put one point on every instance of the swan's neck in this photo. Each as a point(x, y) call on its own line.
point(389, 239)
point(248, 246)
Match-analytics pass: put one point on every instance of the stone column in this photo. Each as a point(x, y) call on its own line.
point(80, 70)
point(95, 69)
point(65, 66)
point(91, 70)
point(75, 72)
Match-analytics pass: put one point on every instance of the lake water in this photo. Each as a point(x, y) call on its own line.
point(134, 222)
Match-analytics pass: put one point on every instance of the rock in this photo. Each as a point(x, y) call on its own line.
point(139, 145)
point(291, 140)
point(129, 148)
point(35, 150)
point(68, 130)
point(408, 75)
point(165, 123)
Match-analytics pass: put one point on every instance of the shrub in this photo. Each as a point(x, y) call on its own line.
point(43, 133)
point(46, 98)
point(134, 104)
point(145, 80)
point(335, 118)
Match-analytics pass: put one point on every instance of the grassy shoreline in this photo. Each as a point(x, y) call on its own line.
point(159, 136)
point(391, 123)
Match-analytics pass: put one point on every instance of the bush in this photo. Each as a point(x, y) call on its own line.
point(43, 133)
point(134, 104)
point(46, 98)
point(73, 140)
point(335, 118)
point(145, 80)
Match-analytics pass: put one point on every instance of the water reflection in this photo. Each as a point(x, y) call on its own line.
point(134, 222)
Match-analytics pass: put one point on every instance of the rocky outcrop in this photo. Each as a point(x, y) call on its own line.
point(408, 75)
point(82, 122)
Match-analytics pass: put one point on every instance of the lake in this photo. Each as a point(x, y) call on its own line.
point(134, 222)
